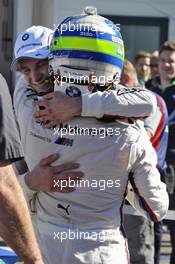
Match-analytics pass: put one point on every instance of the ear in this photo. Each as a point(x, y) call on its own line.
point(125, 79)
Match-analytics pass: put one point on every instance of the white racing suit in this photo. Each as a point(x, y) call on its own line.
point(85, 226)
point(124, 102)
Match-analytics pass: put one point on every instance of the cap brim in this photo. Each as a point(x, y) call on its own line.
point(37, 54)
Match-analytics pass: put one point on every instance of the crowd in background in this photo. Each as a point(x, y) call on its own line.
point(156, 72)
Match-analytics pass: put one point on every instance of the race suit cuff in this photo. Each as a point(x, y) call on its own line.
point(92, 105)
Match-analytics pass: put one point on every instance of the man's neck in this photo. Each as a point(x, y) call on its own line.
point(164, 83)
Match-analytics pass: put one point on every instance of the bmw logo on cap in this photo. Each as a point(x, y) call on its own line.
point(25, 36)
point(73, 91)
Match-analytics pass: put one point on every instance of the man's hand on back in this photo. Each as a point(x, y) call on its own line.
point(53, 178)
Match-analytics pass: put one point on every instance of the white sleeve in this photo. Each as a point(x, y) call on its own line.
point(151, 123)
point(20, 88)
point(30, 195)
point(122, 102)
point(23, 108)
point(148, 194)
point(27, 191)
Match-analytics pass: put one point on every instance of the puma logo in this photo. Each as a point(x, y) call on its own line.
point(64, 208)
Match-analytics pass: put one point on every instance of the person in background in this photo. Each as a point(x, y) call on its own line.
point(146, 247)
point(154, 64)
point(154, 78)
point(142, 65)
point(15, 224)
point(165, 87)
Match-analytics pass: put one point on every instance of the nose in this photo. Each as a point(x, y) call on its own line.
point(167, 64)
point(145, 67)
point(35, 75)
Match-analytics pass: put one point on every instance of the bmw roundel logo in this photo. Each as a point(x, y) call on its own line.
point(25, 36)
point(73, 91)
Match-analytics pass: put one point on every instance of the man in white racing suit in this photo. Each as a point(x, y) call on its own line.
point(85, 226)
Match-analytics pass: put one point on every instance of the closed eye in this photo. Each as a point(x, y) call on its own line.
point(42, 63)
point(25, 70)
